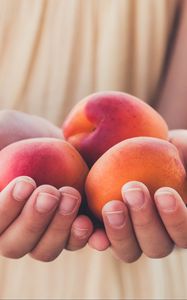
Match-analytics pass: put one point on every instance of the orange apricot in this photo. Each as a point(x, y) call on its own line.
point(153, 161)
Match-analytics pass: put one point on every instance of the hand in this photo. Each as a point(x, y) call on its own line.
point(41, 221)
point(26, 225)
point(141, 224)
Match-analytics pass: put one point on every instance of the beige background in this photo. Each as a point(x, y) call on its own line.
point(52, 54)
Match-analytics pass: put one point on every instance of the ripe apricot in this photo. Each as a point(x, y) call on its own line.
point(153, 161)
point(104, 119)
point(47, 160)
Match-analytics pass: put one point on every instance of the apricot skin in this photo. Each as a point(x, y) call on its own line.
point(153, 161)
point(104, 119)
point(46, 160)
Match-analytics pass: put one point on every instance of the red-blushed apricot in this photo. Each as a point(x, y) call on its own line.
point(46, 160)
point(104, 119)
point(153, 161)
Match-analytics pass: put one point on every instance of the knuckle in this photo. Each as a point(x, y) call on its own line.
point(143, 224)
point(159, 253)
point(34, 228)
point(75, 246)
point(44, 257)
point(117, 239)
point(127, 257)
point(133, 258)
point(4, 212)
point(11, 253)
point(62, 229)
point(177, 226)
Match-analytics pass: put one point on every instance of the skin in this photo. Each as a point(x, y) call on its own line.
point(41, 230)
point(27, 227)
point(166, 228)
point(131, 225)
point(134, 159)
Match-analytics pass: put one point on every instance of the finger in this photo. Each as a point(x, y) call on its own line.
point(120, 232)
point(150, 231)
point(99, 240)
point(81, 230)
point(174, 214)
point(55, 238)
point(178, 138)
point(23, 234)
point(13, 198)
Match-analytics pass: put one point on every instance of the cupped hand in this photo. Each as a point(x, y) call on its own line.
point(142, 224)
point(41, 221)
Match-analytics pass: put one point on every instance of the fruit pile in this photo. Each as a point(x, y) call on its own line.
point(111, 138)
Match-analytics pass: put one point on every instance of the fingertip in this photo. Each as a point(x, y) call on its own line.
point(23, 188)
point(166, 190)
point(70, 200)
point(70, 191)
point(83, 223)
point(20, 188)
point(26, 179)
point(81, 230)
point(99, 240)
point(167, 199)
point(113, 205)
point(134, 185)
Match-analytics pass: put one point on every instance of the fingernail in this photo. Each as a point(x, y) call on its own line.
point(116, 218)
point(134, 197)
point(46, 202)
point(68, 204)
point(166, 201)
point(22, 190)
point(80, 232)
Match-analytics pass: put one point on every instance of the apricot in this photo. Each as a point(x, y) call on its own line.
point(104, 119)
point(16, 126)
point(153, 161)
point(46, 160)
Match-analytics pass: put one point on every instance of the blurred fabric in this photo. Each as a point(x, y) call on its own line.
point(52, 54)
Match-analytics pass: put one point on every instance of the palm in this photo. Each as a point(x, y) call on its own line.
point(164, 225)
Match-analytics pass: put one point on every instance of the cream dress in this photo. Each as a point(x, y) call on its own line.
point(52, 54)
